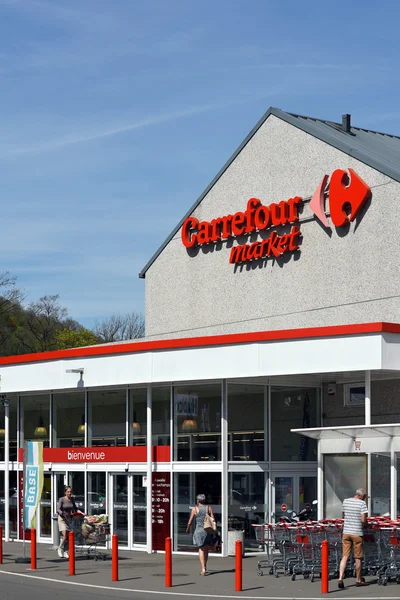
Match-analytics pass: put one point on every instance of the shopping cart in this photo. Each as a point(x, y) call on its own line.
point(390, 555)
point(88, 536)
point(265, 538)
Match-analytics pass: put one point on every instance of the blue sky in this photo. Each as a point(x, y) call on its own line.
point(116, 115)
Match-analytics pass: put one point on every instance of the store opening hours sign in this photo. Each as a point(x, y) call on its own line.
point(160, 509)
point(345, 191)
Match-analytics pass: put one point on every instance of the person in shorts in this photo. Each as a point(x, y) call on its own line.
point(66, 507)
point(355, 517)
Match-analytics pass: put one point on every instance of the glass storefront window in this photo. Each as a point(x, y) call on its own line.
point(69, 419)
point(13, 500)
point(161, 414)
point(77, 482)
point(197, 422)
point(96, 493)
point(107, 418)
point(138, 417)
point(380, 485)
point(45, 507)
point(12, 415)
point(293, 408)
point(246, 426)
point(343, 475)
point(139, 509)
point(120, 508)
point(247, 506)
point(283, 495)
point(307, 492)
point(186, 488)
point(36, 418)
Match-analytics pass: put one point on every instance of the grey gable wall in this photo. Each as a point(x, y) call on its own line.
point(327, 283)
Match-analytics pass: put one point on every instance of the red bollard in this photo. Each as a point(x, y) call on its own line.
point(114, 556)
point(33, 549)
point(324, 567)
point(168, 562)
point(71, 552)
point(238, 565)
point(1, 545)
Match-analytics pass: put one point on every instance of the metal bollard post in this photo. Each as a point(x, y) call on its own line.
point(33, 549)
point(1, 545)
point(114, 557)
point(238, 565)
point(168, 562)
point(324, 567)
point(71, 551)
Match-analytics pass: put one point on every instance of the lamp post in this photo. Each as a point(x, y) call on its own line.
point(6, 403)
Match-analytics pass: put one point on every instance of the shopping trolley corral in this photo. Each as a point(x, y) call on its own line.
point(295, 549)
point(89, 533)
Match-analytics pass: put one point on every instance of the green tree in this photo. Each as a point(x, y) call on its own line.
point(75, 338)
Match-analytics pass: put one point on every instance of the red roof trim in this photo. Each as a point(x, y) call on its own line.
point(211, 340)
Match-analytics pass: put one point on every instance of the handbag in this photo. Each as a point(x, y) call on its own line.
point(210, 525)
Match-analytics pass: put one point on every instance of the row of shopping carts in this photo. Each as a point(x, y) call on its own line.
point(295, 549)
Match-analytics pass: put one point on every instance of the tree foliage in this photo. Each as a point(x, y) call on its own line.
point(45, 324)
point(70, 338)
point(120, 327)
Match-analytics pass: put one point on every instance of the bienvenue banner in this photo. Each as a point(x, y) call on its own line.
point(33, 481)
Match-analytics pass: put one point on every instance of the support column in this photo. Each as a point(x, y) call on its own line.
point(149, 445)
point(320, 482)
point(6, 470)
point(224, 474)
point(393, 481)
point(368, 397)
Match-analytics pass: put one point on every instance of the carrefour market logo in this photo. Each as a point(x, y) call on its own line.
point(345, 192)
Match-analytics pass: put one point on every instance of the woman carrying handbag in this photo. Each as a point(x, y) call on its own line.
point(205, 529)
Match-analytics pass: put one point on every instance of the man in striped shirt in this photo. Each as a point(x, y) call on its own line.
point(355, 517)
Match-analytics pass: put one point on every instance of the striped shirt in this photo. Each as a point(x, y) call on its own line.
point(353, 508)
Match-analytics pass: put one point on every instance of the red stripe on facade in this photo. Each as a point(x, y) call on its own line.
point(211, 340)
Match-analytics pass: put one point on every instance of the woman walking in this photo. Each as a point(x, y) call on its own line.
point(66, 507)
point(201, 538)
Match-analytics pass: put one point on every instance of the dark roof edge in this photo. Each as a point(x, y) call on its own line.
point(343, 145)
point(306, 126)
point(270, 111)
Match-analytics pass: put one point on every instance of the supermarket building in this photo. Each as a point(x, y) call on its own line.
point(269, 374)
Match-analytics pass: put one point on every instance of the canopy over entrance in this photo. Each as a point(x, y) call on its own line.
point(360, 438)
point(339, 467)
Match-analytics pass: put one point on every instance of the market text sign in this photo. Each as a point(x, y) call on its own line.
point(347, 193)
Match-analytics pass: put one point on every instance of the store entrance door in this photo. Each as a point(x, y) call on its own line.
point(128, 508)
point(291, 492)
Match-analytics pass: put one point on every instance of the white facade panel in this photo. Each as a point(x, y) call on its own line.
point(262, 359)
point(391, 351)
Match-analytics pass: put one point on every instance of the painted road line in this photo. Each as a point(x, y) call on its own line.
point(160, 593)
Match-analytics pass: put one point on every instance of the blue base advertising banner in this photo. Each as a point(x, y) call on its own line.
point(33, 481)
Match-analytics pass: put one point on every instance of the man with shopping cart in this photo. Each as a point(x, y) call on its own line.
point(66, 508)
point(355, 518)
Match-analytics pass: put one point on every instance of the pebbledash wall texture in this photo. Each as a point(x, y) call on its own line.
point(338, 276)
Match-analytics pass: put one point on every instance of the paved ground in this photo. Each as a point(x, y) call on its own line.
point(142, 577)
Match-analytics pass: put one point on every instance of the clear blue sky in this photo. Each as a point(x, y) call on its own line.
point(115, 115)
